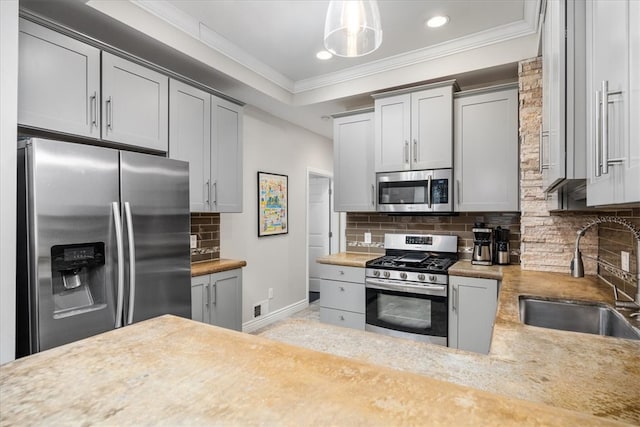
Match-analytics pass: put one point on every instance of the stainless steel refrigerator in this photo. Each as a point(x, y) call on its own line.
point(103, 241)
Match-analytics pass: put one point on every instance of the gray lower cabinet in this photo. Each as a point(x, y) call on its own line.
point(486, 150)
point(59, 84)
point(217, 299)
point(472, 311)
point(190, 138)
point(342, 296)
point(135, 104)
point(353, 168)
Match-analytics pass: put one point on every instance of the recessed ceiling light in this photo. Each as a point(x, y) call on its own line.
point(324, 55)
point(437, 21)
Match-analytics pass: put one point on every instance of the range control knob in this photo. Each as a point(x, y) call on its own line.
point(376, 273)
point(386, 274)
point(420, 276)
point(403, 275)
point(433, 278)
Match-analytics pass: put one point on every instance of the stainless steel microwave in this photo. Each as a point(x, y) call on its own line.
point(415, 191)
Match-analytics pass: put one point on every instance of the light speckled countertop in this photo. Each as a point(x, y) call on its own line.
point(201, 268)
point(174, 371)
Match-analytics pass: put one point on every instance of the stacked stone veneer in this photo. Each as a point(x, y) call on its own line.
point(206, 226)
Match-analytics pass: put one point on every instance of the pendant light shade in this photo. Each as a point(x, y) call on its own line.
point(352, 27)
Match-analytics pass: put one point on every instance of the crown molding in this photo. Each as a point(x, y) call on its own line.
point(192, 26)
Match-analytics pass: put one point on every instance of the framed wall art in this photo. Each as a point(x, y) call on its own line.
point(273, 215)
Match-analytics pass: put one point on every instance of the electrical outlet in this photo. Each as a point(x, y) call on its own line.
point(194, 241)
point(367, 237)
point(270, 293)
point(624, 260)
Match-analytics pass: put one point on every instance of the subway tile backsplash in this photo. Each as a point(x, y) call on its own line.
point(459, 225)
point(206, 226)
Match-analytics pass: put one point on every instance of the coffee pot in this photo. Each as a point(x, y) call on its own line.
point(482, 244)
point(501, 246)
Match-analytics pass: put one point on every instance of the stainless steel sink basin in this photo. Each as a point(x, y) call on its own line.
point(576, 316)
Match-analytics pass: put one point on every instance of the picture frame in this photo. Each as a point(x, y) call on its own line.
point(273, 208)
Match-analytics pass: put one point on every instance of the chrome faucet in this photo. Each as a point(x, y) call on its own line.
point(577, 268)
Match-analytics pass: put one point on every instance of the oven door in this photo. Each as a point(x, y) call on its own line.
point(417, 312)
point(415, 191)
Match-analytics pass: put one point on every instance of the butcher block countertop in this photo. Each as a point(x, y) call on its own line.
point(348, 259)
point(174, 371)
point(201, 268)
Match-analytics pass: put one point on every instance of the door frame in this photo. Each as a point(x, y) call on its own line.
point(337, 229)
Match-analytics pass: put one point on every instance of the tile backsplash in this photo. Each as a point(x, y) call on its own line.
point(206, 226)
point(459, 225)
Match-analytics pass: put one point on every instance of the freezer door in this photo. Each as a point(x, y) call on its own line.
point(70, 248)
point(155, 201)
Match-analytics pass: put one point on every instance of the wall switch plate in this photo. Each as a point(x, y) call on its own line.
point(194, 241)
point(367, 237)
point(624, 260)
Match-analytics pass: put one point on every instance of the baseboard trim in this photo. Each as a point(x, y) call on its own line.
point(283, 313)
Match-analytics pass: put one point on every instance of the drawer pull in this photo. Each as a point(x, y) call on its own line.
point(342, 317)
point(342, 288)
point(341, 273)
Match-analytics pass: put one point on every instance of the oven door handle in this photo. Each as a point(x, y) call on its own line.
point(436, 290)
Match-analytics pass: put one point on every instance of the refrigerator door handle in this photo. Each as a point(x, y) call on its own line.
point(117, 222)
point(132, 262)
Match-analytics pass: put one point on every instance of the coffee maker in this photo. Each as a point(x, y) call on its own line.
point(501, 246)
point(482, 244)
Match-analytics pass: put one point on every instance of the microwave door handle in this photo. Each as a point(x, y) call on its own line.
point(132, 262)
point(117, 223)
point(429, 191)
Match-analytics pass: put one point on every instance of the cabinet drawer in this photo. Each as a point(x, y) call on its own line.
point(342, 273)
point(342, 295)
point(342, 318)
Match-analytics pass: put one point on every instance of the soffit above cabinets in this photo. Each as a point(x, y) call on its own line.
point(262, 52)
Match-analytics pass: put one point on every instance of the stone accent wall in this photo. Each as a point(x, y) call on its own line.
point(460, 225)
point(207, 227)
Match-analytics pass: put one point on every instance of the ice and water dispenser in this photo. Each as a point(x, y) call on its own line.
point(78, 278)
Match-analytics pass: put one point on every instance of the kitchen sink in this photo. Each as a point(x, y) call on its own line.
point(576, 316)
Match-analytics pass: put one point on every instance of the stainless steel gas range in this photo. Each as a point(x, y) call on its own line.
point(407, 288)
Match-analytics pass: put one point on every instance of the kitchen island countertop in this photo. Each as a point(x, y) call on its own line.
point(201, 268)
point(169, 371)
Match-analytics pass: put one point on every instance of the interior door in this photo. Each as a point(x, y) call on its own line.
point(319, 226)
point(155, 190)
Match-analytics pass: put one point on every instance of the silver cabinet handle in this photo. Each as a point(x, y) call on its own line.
point(454, 300)
point(215, 193)
point(373, 195)
point(117, 223)
point(415, 150)
point(208, 296)
point(132, 262)
point(341, 272)
point(406, 151)
point(598, 135)
point(207, 192)
point(541, 164)
point(94, 109)
point(341, 317)
point(605, 127)
point(429, 192)
point(109, 106)
point(458, 190)
point(341, 288)
point(214, 293)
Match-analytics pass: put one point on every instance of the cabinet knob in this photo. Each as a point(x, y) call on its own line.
point(342, 288)
point(341, 273)
point(341, 317)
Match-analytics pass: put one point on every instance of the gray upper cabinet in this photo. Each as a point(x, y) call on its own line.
point(135, 104)
point(226, 156)
point(217, 299)
point(486, 149)
point(413, 129)
point(563, 133)
point(353, 169)
point(59, 84)
point(613, 102)
point(190, 138)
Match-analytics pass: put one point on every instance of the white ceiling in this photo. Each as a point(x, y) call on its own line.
point(262, 52)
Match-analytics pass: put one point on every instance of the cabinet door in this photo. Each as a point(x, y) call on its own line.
point(353, 171)
point(431, 129)
point(608, 55)
point(552, 137)
point(632, 170)
point(393, 132)
point(226, 156)
point(135, 103)
point(226, 299)
point(472, 312)
point(486, 151)
point(199, 299)
point(190, 138)
point(342, 295)
point(59, 84)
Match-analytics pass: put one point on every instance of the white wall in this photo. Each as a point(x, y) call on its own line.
point(8, 131)
point(278, 262)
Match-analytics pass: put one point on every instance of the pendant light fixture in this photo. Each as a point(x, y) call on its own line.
point(352, 27)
